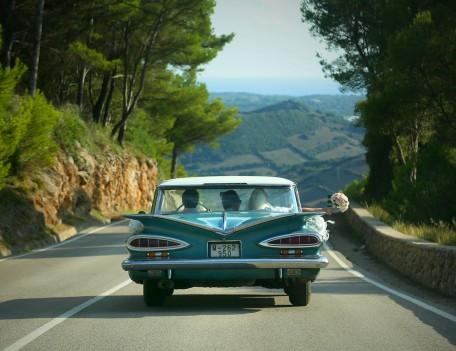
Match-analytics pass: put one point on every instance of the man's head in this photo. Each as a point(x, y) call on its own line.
point(230, 200)
point(190, 198)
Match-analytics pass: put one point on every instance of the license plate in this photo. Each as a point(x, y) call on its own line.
point(225, 249)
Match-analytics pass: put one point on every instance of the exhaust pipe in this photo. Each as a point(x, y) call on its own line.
point(166, 284)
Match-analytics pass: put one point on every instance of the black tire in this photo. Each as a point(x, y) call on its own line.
point(299, 294)
point(153, 295)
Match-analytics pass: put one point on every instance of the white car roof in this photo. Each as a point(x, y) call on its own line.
point(232, 181)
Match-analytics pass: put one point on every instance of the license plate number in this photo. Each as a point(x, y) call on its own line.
point(225, 249)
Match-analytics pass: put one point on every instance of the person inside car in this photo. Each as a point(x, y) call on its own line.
point(190, 199)
point(259, 200)
point(230, 200)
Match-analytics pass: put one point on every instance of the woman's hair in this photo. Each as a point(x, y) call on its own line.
point(258, 198)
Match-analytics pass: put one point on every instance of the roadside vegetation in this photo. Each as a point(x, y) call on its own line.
point(437, 231)
point(122, 75)
point(402, 55)
point(76, 73)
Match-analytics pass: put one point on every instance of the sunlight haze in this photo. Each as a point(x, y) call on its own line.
point(272, 52)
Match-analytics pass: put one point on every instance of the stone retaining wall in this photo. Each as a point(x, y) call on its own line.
point(430, 264)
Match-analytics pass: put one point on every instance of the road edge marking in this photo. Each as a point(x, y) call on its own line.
point(63, 242)
point(409, 298)
point(64, 316)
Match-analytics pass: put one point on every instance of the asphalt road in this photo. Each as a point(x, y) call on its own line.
point(75, 296)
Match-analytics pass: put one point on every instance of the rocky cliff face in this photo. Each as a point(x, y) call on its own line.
point(108, 184)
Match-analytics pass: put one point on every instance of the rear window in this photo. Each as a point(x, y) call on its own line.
point(192, 199)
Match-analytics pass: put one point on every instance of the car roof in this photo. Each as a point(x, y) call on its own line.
point(225, 181)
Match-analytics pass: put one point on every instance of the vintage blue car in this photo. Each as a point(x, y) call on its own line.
point(227, 231)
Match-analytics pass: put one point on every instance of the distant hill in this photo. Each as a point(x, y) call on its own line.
point(341, 105)
point(320, 150)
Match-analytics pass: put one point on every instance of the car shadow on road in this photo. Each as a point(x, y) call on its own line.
point(132, 306)
point(222, 304)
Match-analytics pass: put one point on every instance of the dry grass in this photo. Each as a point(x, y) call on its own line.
point(440, 232)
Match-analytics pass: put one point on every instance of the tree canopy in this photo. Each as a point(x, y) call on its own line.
point(402, 55)
point(118, 60)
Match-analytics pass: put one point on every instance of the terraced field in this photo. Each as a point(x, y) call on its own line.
point(320, 150)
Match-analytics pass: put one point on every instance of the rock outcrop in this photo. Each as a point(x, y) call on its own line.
point(107, 184)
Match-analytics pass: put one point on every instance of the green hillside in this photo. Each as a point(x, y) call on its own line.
point(341, 105)
point(320, 150)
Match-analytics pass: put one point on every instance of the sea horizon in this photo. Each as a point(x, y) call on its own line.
point(292, 86)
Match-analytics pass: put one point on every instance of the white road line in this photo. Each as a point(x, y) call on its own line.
point(389, 290)
point(56, 321)
point(64, 316)
point(62, 243)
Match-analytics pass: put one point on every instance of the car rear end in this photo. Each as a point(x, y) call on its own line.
point(226, 231)
point(265, 249)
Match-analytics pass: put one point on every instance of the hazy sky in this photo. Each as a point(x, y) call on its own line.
point(272, 51)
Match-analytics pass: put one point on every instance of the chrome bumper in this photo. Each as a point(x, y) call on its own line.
point(302, 262)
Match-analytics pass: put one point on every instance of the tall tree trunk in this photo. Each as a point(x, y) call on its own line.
point(120, 136)
point(98, 106)
point(415, 146)
point(36, 47)
point(119, 128)
point(7, 34)
point(130, 96)
point(81, 84)
point(107, 108)
point(116, 128)
point(174, 163)
point(398, 148)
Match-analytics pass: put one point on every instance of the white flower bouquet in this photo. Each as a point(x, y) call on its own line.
point(340, 201)
point(135, 227)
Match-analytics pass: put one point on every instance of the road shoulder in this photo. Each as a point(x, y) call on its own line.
point(349, 244)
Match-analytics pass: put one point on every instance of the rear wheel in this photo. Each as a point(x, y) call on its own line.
point(153, 295)
point(299, 293)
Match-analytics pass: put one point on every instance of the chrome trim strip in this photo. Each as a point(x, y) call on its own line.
point(232, 230)
point(182, 244)
point(224, 221)
point(227, 231)
point(193, 224)
point(311, 261)
point(248, 225)
point(265, 243)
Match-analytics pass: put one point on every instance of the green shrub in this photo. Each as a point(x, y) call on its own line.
point(146, 135)
point(99, 139)
point(11, 126)
point(70, 132)
point(356, 188)
point(36, 148)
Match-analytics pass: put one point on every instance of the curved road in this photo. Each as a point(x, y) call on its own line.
point(75, 296)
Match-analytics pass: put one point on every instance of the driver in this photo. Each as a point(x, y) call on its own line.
point(190, 199)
